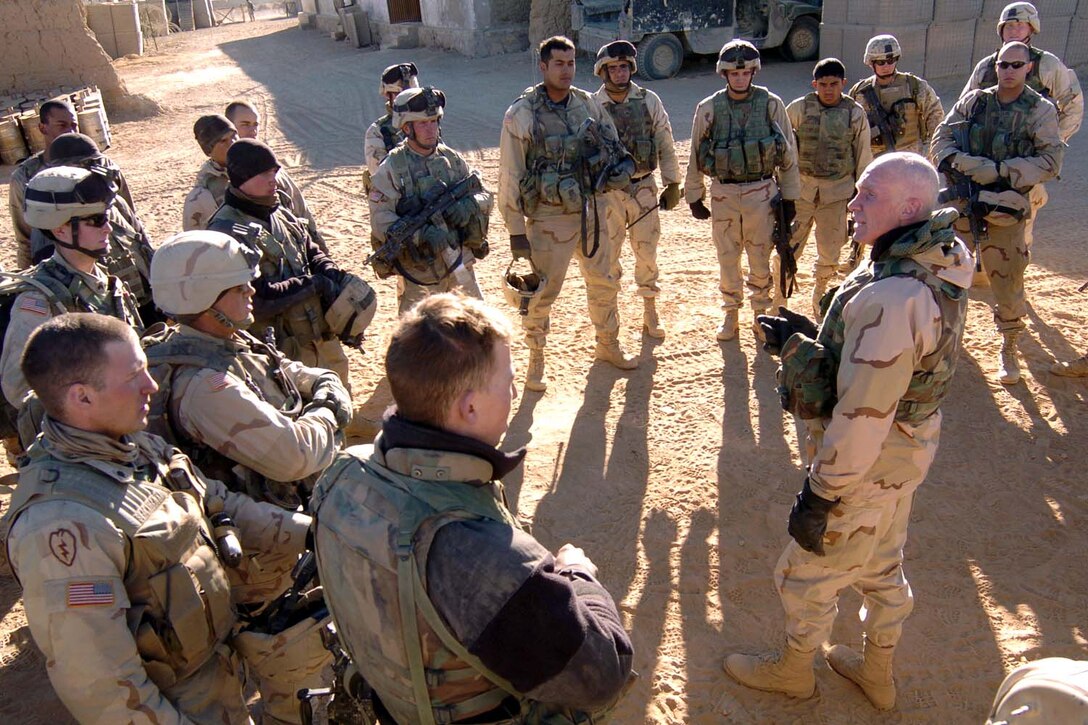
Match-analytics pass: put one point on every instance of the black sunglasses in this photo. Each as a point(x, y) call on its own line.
point(739, 53)
point(95, 220)
point(426, 99)
point(1006, 64)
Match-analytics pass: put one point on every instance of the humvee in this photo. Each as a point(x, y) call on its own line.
point(664, 31)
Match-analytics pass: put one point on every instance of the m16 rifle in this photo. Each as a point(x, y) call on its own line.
point(884, 123)
point(963, 189)
point(783, 233)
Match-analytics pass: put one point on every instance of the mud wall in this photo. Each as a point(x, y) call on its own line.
point(548, 18)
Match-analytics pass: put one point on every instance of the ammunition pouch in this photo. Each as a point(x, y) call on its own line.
point(806, 379)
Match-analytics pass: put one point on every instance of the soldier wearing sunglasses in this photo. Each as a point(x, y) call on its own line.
point(69, 205)
point(1006, 139)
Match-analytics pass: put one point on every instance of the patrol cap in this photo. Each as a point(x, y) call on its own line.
point(57, 195)
point(397, 78)
point(417, 104)
point(618, 51)
point(1024, 12)
point(882, 47)
point(192, 269)
point(210, 129)
point(737, 55)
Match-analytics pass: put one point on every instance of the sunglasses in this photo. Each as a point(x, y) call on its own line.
point(1016, 64)
point(734, 55)
point(426, 99)
point(95, 220)
point(886, 61)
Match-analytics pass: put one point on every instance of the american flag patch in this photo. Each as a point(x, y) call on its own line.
point(34, 305)
point(90, 594)
point(217, 382)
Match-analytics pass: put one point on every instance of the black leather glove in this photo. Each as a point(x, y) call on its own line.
point(326, 289)
point(699, 210)
point(670, 197)
point(519, 246)
point(438, 239)
point(789, 209)
point(329, 393)
point(460, 213)
point(808, 519)
point(778, 329)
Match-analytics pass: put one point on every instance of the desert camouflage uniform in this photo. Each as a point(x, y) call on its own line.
point(740, 204)
point(832, 151)
point(206, 196)
point(534, 208)
point(1031, 123)
point(288, 257)
point(406, 175)
point(644, 130)
point(554, 634)
point(22, 175)
point(897, 337)
point(1056, 83)
point(380, 139)
point(97, 292)
point(240, 414)
point(911, 102)
point(130, 603)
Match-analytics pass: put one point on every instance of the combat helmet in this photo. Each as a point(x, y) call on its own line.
point(191, 270)
point(417, 104)
point(737, 55)
point(882, 47)
point(1024, 12)
point(397, 78)
point(520, 288)
point(65, 194)
point(618, 51)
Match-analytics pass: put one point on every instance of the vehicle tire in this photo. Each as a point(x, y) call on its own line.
point(803, 41)
point(659, 56)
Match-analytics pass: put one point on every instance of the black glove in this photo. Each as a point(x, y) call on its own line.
point(808, 519)
point(329, 393)
point(460, 213)
point(438, 239)
point(699, 210)
point(789, 210)
point(326, 289)
point(670, 197)
point(778, 329)
point(519, 246)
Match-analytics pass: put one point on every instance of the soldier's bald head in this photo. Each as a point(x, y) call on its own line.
point(913, 178)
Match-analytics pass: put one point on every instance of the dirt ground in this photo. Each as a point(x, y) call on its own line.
point(677, 477)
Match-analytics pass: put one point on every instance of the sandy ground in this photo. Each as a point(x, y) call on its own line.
point(676, 478)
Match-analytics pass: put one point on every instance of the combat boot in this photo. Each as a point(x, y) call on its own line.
point(789, 672)
point(871, 671)
point(818, 291)
point(534, 378)
point(728, 329)
point(1008, 371)
point(650, 323)
point(1071, 369)
point(611, 352)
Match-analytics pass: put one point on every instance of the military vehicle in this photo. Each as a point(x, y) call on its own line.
point(664, 31)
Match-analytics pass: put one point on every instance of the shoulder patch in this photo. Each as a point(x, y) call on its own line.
point(376, 196)
point(34, 305)
point(217, 381)
point(89, 594)
point(62, 544)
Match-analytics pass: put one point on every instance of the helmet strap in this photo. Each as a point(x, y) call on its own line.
point(232, 325)
point(95, 254)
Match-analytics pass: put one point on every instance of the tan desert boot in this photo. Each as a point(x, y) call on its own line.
point(534, 378)
point(1072, 369)
point(789, 672)
point(611, 352)
point(1008, 369)
point(871, 671)
point(728, 329)
point(650, 323)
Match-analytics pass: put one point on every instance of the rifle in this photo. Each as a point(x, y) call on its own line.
point(782, 236)
point(883, 118)
point(855, 249)
point(962, 187)
point(398, 238)
point(350, 697)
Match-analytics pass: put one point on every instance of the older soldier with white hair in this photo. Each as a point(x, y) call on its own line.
point(873, 417)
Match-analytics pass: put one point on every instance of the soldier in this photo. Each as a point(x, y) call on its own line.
point(111, 539)
point(215, 134)
point(903, 109)
point(247, 121)
point(740, 139)
point(298, 282)
point(874, 420)
point(262, 424)
point(557, 151)
point(70, 205)
point(1006, 140)
point(832, 136)
point(1049, 76)
point(453, 613)
point(382, 136)
point(130, 250)
point(644, 130)
point(440, 256)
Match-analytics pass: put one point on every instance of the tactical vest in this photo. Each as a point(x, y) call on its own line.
point(743, 144)
point(129, 258)
point(173, 358)
point(635, 127)
point(900, 101)
point(564, 159)
point(825, 148)
point(117, 301)
point(810, 368)
point(180, 608)
point(1001, 132)
point(390, 136)
point(213, 178)
point(391, 522)
point(1034, 80)
point(283, 248)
